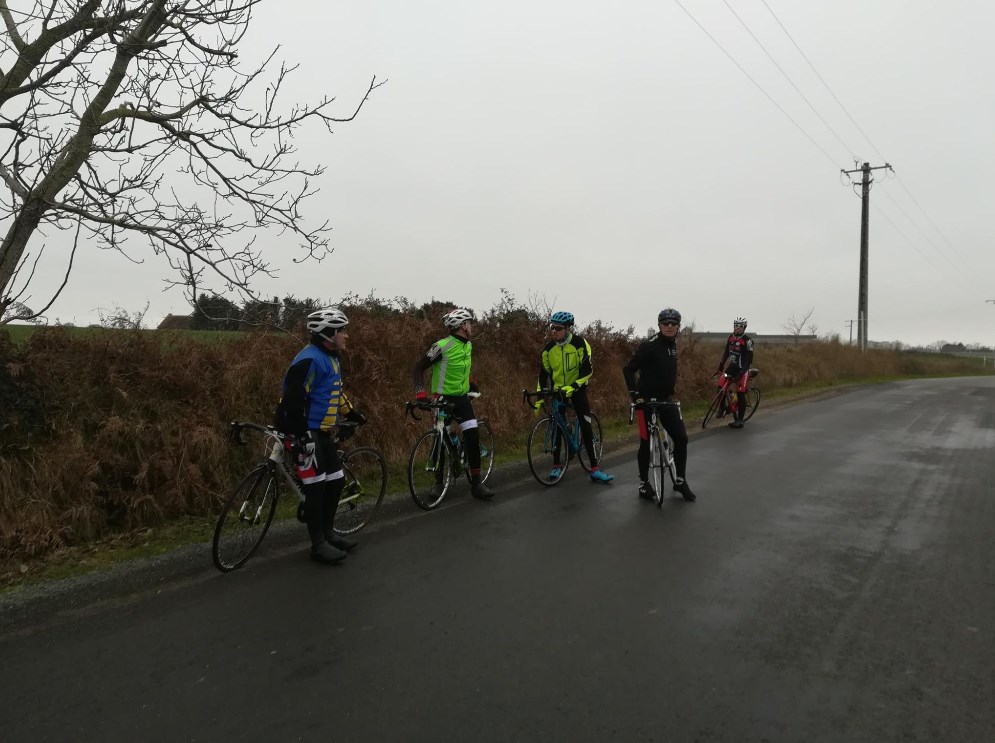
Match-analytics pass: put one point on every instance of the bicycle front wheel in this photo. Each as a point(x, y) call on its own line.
point(599, 444)
point(245, 518)
point(429, 471)
point(668, 458)
point(365, 485)
point(656, 465)
point(546, 451)
point(712, 408)
point(752, 402)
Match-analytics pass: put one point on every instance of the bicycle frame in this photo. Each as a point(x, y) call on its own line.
point(654, 431)
point(572, 430)
point(277, 454)
point(451, 441)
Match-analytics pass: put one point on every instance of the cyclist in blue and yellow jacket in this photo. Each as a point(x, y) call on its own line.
point(310, 406)
point(566, 366)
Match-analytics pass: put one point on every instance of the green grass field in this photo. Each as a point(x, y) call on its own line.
point(20, 333)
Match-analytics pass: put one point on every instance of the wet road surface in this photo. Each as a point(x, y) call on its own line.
point(834, 582)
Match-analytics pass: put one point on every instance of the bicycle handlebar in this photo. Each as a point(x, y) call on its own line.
point(442, 404)
point(650, 405)
point(411, 407)
point(235, 432)
point(540, 394)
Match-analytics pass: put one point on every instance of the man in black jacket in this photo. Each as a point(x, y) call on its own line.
point(655, 365)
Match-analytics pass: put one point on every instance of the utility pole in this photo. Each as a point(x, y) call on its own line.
point(865, 206)
point(850, 323)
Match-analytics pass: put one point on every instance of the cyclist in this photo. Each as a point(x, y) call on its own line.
point(655, 365)
point(739, 353)
point(565, 365)
point(449, 360)
point(311, 404)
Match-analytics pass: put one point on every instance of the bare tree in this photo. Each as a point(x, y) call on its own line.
point(133, 119)
point(796, 326)
point(121, 319)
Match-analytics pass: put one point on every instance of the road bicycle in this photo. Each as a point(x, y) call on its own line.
point(249, 510)
point(438, 457)
point(661, 445)
point(726, 400)
point(555, 432)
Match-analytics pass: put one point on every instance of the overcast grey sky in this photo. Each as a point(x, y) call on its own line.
point(613, 159)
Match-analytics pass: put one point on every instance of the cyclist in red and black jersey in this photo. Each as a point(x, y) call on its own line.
point(655, 365)
point(739, 355)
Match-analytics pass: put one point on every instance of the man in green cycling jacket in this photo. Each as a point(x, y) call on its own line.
point(449, 360)
point(566, 366)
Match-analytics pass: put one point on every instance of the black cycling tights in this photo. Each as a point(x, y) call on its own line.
point(321, 501)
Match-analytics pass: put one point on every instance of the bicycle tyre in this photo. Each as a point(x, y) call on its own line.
point(486, 451)
point(541, 450)
point(365, 486)
point(599, 444)
point(754, 393)
point(656, 465)
point(428, 456)
point(712, 408)
point(234, 542)
point(668, 462)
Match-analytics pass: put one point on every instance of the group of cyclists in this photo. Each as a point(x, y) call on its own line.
point(312, 403)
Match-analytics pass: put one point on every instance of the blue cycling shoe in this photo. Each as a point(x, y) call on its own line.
point(554, 474)
point(601, 476)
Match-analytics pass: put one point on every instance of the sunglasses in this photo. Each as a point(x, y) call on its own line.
point(557, 328)
point(670, 323)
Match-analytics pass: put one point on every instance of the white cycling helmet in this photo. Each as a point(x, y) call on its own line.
point(454, 318)
point(327, 322)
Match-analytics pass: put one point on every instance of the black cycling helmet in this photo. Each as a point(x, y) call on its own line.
point(669, 314)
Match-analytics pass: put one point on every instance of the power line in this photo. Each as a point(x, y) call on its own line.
point(936, 247)
point(835, 97)
point(825, 123)
point(759, 87)
point(935, 227)
point(866, 137)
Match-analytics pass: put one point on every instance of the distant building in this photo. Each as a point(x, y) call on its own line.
point(784, 339)
point(176, 322)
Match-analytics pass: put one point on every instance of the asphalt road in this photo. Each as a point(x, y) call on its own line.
point(834, 582)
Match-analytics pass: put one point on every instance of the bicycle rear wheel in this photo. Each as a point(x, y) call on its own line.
point(245, 518)
point(365, 485)
point(752, 402)
point(546, 450)
point(429, 471)
point(599, 444)
point(712, 408)
point(656, 465)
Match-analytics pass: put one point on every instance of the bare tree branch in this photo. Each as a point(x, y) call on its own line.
point(135, 118)
point(795, 326)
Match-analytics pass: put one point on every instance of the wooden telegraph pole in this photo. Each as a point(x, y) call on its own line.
point(865, 204)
